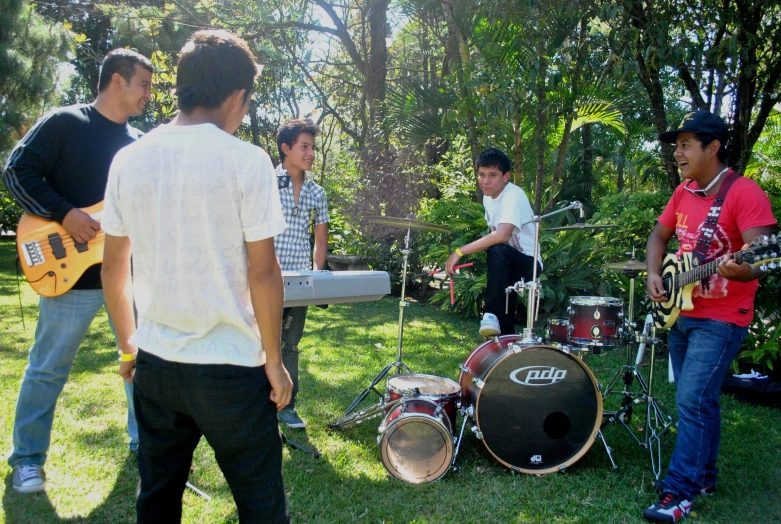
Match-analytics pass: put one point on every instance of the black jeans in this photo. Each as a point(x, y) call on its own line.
point(177, 403)
point(506, 266)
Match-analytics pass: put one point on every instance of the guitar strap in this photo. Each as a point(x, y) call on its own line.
point(706, 235)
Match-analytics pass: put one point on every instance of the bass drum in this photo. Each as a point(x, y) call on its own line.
point(537, 408)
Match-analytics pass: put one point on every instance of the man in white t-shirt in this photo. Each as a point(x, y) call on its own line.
point(199, 210)
point(510, 245)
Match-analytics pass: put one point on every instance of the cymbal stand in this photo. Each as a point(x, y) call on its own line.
point(533, 288)
point(398, 364)
point(657, 421)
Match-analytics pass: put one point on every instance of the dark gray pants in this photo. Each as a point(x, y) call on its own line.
point(293, 321)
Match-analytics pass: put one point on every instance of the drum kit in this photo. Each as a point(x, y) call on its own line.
point(533, 402)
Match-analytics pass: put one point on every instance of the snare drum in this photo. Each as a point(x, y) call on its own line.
point(416, 440)
point(537, 408)
point(595, 321)
point(557, 331)
point(440, 390)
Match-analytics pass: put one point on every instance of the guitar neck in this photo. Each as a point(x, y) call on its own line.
point(704, 270)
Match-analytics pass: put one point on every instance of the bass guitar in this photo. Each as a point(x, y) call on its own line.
point(680, 276)
point(51, 260)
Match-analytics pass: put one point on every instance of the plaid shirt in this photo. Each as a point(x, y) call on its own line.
point(292, 245)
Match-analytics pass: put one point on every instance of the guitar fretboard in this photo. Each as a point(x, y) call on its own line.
point(700, 272)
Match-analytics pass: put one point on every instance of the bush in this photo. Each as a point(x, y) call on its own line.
point(9, 211)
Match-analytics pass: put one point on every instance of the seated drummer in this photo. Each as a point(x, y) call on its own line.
point(510, 246)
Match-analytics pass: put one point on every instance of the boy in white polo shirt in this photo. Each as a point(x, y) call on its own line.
point(199, 209)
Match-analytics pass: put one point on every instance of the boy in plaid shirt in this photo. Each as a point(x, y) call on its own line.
point(305, 209)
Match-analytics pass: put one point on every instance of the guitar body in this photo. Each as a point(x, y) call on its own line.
point(51, 260)
point(678, 299)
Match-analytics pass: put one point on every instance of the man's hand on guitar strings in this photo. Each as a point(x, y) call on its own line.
point(655, 287)
point(80, 225)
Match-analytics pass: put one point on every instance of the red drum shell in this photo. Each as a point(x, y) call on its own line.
point(440, 390)
point(586, 330)
point(558, 330)
point(416, 443)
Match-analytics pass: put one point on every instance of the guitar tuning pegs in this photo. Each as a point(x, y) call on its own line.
point(763, 267)
point(773, 265)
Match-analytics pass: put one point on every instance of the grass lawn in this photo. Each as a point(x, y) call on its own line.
point(92, 477)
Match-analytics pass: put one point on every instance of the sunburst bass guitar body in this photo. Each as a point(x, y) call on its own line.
point(51, 260)
point(680, 276)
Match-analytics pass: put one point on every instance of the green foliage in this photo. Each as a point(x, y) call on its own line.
point(31, 50)
point(9, 212)
point(467, 218)
point(761, 347)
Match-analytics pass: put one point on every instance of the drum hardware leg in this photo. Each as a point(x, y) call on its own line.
point(608, 449)
point(465, 416)
point(399, 365)
point(295, 445)
point(197, 491)
point(357, 417)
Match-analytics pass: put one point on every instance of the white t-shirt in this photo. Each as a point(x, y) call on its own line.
point(189, 197)
point(512, 207)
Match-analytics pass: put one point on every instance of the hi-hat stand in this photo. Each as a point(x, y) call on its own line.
point(398, 364)
point(657, 422)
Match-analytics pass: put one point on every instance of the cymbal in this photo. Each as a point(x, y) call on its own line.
point(578, 227)
point(632, 265)
point(409, 223)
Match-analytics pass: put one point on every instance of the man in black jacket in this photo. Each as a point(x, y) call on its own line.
point(62, 165)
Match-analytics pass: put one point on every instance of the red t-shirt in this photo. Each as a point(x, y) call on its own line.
point(745, 207)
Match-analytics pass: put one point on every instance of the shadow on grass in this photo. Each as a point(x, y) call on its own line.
point(117, 507)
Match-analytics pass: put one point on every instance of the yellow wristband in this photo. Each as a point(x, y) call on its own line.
point(459, 252)
point(127, 357)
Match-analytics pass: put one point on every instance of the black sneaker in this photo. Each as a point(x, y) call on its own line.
point(670, 508)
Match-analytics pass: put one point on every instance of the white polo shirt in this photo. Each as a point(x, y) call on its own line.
point(189, 197)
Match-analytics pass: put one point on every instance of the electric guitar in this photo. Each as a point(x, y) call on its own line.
point(51, 260)
point(680, 276)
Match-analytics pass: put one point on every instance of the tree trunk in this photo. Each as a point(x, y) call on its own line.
point(376, 79)
point(517, 150)
point(542, 143)
point(562, 148)
point(588, 160)
point(458, 41)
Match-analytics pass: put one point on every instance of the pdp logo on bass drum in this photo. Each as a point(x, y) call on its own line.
point(538, 375)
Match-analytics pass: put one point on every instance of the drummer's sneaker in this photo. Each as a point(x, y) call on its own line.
point(29, 479)
point(669, 508)
point(489, 326)
point(291, 418)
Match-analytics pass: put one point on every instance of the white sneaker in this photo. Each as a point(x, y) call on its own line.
point(29, 479)
point(489, 326)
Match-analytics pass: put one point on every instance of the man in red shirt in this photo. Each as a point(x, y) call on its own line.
point(704, 341)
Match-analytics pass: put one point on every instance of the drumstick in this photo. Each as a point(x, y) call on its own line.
point(452, 292)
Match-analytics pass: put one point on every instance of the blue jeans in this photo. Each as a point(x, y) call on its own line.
point(293, 321)
point(701, 351)
point(179, 403)
point(62, 323)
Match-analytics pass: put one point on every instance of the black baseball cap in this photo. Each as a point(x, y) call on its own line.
point(699, 122)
